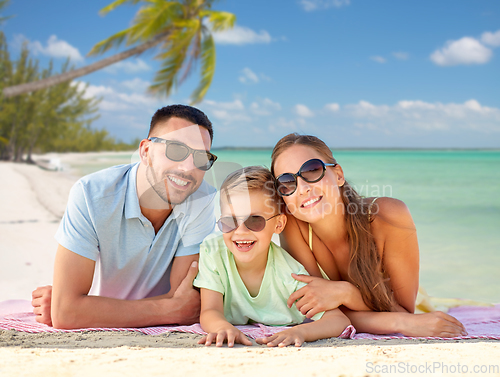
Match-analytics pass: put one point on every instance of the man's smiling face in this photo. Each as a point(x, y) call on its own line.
point(174, 181)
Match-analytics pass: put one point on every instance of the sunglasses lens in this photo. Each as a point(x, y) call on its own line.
point(255, 223)
point(176, 152)
point(286, 184)
point(312, 171)
point(227, 224)
point(203, 160)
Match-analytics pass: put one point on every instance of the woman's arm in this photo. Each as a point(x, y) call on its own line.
point(436, 324)
point(214, 323)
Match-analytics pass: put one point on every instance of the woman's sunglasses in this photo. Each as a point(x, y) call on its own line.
point(311, 171)
point(177, 151)
point(255, 223)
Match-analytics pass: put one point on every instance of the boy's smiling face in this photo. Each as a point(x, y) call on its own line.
point(250, 247)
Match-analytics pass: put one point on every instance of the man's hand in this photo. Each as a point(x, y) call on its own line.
point(41, 301)
point(188, 298)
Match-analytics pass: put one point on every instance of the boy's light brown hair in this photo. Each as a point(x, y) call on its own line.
point(252, 179)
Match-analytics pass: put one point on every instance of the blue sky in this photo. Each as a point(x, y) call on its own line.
point(357, 73)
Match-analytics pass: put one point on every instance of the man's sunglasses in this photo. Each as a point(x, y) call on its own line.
point(255, 223)
point(177, 151)
point(311, 171)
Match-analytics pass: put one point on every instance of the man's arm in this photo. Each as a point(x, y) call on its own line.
point(73, 308)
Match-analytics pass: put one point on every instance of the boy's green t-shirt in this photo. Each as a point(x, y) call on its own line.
point(218, 272)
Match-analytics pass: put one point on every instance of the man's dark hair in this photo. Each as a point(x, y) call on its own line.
point(184, 112)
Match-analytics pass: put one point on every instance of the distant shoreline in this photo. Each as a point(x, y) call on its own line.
point(363, 149)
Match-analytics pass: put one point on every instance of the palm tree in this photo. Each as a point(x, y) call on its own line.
point(3, 4)
point(181, 29)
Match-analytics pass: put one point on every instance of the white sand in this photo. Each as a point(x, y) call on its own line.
point(31, 204)
point(207, 362)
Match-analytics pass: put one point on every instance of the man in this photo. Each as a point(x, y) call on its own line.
point(129, 239)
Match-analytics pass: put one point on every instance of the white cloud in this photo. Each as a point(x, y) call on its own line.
point(378, 59)
point(303, 111)
point(264, 107)
point(249, 76)
point(401, 55)
point(96, 90)
point(241, 35)
point(282, 125)
point(230, 117)
point(57, 48)
point(130, 65)
point(465, 51)
point(492, 39)
point(333, 107)
point(414, 115)
point(312, 5)
point(136, 84)
point(229, 113)
point(235, 105)
point(115, 100)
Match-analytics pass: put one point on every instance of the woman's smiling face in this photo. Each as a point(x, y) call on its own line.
point(311, 201)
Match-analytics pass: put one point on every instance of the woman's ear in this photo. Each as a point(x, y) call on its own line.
point(280, 224)
point(340, 175)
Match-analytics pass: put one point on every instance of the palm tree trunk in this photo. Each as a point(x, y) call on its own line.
point(71, 75)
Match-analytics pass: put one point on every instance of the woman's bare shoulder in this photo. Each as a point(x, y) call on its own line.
point(391, 212)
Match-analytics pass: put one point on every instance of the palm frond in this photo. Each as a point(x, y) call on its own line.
point(113, 41)
point(208, 58)
point(219, 21)
point(194, 54)
point(104, 11)
point(173, 59)
point(151, 21)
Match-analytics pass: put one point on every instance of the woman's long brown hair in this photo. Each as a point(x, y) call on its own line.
point(365, 264)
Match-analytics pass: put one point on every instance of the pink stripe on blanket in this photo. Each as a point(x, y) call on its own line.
point(18, 315)
point(480, 322)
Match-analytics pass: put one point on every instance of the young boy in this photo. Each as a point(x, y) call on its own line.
point(244, 277)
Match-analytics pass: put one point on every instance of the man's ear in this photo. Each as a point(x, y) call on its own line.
point(280, 223)
point(144, 151)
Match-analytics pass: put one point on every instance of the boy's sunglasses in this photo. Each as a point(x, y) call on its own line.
point(177, 151)
point(311, 171)
point(255, 223)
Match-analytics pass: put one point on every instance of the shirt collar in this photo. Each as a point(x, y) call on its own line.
point(132, 207)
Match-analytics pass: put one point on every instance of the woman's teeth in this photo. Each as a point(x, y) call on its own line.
point(309, 202)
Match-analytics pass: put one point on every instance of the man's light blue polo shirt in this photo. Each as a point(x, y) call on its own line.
point(103, 222)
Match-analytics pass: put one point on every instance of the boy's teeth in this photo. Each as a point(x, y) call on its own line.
point(178, 181)
point(244, 243)
point(311, 201)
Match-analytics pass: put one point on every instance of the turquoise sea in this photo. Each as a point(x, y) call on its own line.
point(453, 195)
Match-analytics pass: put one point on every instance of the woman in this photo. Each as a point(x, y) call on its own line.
point(361, 253)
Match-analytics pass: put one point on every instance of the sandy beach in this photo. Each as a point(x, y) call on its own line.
point(32, 202)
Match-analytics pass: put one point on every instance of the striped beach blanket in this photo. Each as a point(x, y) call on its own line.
point(481, 323)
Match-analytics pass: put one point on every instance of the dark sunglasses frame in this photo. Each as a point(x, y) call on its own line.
point(238, 223)
point(195, 152)
point(299, 174)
